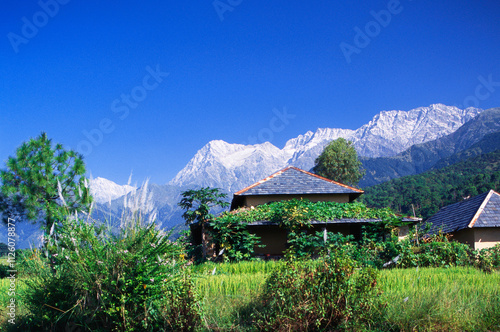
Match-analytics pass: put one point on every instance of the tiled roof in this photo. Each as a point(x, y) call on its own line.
point(479, 211)
point(295, 181)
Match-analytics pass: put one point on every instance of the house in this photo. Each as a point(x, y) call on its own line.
point(475, 221)
point(293, 182)
point(290, 183)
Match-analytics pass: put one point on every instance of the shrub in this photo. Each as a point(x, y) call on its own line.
point(231, 236)
point(86, 276)
point(3, 271)
point(317, 295)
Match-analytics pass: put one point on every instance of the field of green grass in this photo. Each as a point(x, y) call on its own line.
point(425, 299)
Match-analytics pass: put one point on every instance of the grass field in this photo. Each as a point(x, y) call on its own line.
point(426, 299)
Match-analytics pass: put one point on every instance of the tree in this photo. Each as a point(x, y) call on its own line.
point(45, 183)
point(339, 162)
point(198, 204)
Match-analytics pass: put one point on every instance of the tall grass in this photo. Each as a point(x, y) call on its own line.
point(244, 267)
point(425, 299)
point(430, 299)
point(229, 291)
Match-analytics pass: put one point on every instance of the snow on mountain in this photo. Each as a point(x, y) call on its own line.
point(104, 190)
point(235, 166)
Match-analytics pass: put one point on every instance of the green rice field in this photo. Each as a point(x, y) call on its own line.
point(425, 299)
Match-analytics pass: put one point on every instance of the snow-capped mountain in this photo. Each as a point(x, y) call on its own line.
point(105, 191)
point(234, 166)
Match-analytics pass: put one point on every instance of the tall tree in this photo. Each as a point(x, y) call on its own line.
point(198, 204)
point(46, 183)
point(339, 162)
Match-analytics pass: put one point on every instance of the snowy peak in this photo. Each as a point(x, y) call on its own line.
point(391, 132)
point(228, 166)
point(105, 191)
point(235, 166)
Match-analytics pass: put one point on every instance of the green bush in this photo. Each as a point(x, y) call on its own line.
point(304, 245)
point(318, 295)
point(3, 271)
point(88, 277)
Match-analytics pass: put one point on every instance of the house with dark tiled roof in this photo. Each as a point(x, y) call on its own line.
point(290, 183)
point(475, 221)
point(293, 182)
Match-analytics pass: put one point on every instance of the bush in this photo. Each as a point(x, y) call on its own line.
point(318, 295)
point(3, 271)
point(87, 277)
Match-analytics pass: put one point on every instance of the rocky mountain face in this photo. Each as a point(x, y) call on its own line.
point(235, 166)
point(422, 157)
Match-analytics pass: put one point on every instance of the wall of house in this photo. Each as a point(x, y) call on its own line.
point(263, 199)
point(478, 238)
point(486, 237)
point(464, 236)
point(274, 237)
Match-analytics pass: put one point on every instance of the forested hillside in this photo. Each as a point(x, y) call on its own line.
point(430, 191)
point(423, 157)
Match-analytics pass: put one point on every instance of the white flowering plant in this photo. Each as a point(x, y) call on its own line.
point(89, 276)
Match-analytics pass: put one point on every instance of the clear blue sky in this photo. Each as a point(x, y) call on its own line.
point(89, 66)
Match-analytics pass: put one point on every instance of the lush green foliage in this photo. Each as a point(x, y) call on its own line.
point(294, 216)
point(86, 276)
point(318, 295)
point(197, 205)
point(339, 162)
point(429, 191)
point(295, 213)
point(44, 183)
point(232, 239)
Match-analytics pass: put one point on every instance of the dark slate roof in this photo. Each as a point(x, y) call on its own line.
point(295, 181)
point(479, 211)
point(490, 216)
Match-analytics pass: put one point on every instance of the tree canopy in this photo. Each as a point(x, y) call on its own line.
point(44, 182)
point(339, 162)
point(197, 205)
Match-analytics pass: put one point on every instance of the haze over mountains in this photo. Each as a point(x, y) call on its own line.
point(392, 144)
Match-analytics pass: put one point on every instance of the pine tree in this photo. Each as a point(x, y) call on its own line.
point(45, 183)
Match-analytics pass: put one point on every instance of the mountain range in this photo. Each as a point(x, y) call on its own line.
point(235, 166)
point(392, 144)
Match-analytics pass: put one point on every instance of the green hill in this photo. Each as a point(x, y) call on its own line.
point(430, 191)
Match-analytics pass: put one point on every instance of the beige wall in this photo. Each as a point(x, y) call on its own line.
point(478, 238)
point(262, 199)
point(486, 237)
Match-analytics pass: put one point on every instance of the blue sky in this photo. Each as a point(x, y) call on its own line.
point(141, 86)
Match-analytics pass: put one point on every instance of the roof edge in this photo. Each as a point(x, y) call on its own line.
point(481, 208)
point(300, 170)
